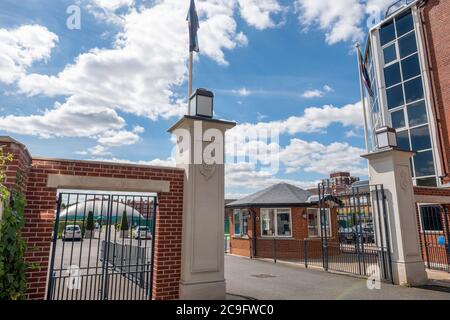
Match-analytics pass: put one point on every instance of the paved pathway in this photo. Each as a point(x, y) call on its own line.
point(266, 280)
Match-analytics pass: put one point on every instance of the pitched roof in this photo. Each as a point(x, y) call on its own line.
point(279, 194)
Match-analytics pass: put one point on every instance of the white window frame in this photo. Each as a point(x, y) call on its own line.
point(319, 227)
point(378, 56)
point(240, 213)
point(275, 222)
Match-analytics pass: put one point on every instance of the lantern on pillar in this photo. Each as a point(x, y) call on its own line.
point(386, 137)
point(201, 103)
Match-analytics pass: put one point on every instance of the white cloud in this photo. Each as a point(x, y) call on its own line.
point(258, 13)
point(112, 5)
point(169, 162)
point(317, 93)
point(341, 20)
point(138, 75)
point(21, 47)
point(314, 119)
point(95, 151)
point(66, 120)
point(118, 138)
point(314, 157)
point(246, 176)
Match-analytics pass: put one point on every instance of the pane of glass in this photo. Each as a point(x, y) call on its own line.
point(404, 24)
point(424, 164)
point(407, 45)
point(410, 67)
point(420, 138)
point(403, 140)
point(417, 113)
point(387, 33)
point(427, 182)
point(244, 223)
point(267, 222)
point(398, 119)
point(283, 224)
point(312, 223)
point(414, 90)
point(392, 75)
point(390, 54)
point(237, 223)
point(431, 218)
point(395, 97)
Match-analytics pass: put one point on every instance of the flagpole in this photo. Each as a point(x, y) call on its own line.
point(191, 65)
point(363, 96)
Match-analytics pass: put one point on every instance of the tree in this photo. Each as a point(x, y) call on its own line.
point(124, 223)
point(90, 221)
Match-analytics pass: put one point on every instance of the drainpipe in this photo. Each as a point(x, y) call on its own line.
point(443, 157)
point(253, 253)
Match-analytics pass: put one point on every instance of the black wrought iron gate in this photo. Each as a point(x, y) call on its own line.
point(435, 236)
point(102, 247)
point(356, 240)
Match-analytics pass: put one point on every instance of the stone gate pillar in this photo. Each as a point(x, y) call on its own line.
point(200, 151)
point(391, 168)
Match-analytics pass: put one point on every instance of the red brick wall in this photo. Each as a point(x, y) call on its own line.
point(39, 215)
point(436, 23)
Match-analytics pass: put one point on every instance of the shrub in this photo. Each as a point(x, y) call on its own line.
point(12, 245)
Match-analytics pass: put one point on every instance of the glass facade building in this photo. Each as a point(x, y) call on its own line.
point(395, 61)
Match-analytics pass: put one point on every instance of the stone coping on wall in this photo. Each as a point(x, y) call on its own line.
point(107, 163)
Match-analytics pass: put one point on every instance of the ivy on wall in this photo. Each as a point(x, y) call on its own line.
point(12, 245)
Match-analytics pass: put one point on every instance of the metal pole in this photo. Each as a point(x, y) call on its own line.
point(152, 257)
point(363, 96)
point(54, 241)
point(191, 65)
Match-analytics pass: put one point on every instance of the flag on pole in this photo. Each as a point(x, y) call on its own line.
point(366, 77)
point(192, 18)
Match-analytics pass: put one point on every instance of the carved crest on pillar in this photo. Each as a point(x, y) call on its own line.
point(207, 170)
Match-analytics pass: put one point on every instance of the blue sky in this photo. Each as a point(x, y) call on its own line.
point(109, 90)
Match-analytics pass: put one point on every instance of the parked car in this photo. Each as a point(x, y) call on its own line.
point(71, 232)
point(347, 234)
point(368, 233)
point(142, 232)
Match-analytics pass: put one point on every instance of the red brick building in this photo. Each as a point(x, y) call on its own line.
point(284, 213)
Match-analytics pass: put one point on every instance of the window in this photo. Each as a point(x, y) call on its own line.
point(414, 90)
point(407, 45)
point(420, 138)
point(424, 164)
point(390, 54)
point(405, 95)
point(392, 75)
point(395, 97)
point(276, 222)
point(398, 119)
point(431, 218)
point(404, 24)
point(427, 182)
point(417, 113)
point(240, 222)
point(317, 222)
point(387, 33)
point(403, 140)
point(410, 67)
